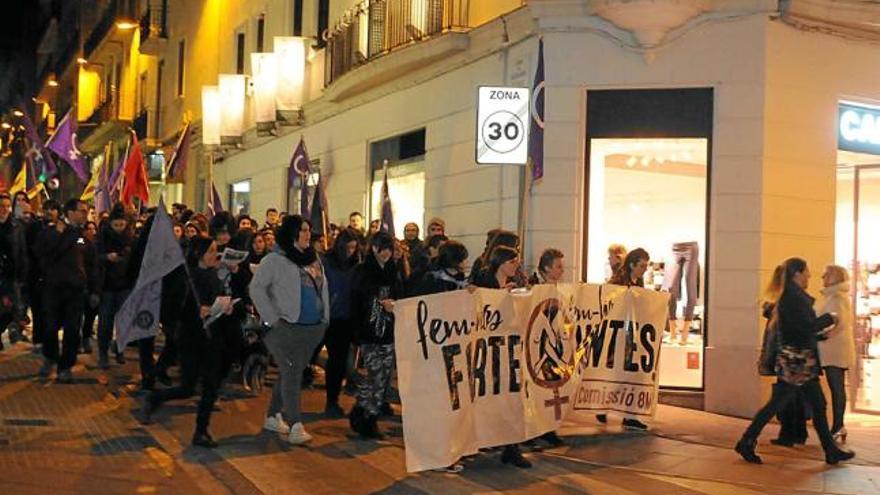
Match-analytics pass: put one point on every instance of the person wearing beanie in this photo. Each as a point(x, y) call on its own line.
point(114, 252)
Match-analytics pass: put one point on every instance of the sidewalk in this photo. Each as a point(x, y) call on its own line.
point(83, 438)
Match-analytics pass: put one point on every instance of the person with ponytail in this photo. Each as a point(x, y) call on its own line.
point(290, 292)
point(797, 363)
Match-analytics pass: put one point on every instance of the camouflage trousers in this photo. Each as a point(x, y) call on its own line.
point(379, 361)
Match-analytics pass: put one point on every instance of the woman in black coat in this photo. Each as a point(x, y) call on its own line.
point(374, 287)
point(797, 363)
point(200, 345)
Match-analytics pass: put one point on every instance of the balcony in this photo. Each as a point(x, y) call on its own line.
point(375, 28)
point(102, 126)
point(115, 11)
point(154, 27)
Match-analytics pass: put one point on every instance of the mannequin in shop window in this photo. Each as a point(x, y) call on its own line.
point(684, 266)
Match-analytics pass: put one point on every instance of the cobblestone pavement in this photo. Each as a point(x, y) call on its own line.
point(83, 438)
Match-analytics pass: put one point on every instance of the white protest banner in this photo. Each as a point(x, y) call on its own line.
point(493, 368)
point(458, 375)
point(619, 359)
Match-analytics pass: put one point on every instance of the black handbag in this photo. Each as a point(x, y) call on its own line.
point(769, 350)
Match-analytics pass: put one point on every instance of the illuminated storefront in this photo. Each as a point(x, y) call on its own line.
point(857, 242)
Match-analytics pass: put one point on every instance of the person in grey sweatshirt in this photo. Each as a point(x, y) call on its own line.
point(290, 292)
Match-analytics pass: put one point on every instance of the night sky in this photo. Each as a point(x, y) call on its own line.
point(21, 25)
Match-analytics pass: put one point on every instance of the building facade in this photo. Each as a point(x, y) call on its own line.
point(723, 136)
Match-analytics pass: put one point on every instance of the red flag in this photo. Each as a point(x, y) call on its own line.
point(136, 184)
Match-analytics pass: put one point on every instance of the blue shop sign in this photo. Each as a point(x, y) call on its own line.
point(858, 129)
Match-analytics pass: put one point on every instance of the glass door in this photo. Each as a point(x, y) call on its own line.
point(857, 247)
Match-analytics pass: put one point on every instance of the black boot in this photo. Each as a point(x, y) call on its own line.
point(148, 408)
point(203, 439)
point(553, 439)
point(836, 454)
point(512, 455)
point(746, 448)
point(356, 418)
point(370, 428)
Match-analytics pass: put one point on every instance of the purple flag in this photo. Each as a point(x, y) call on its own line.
point(102, 188)
point(386, 224)
point(536, 137)
point(215, 206)
point(63, 143)
point(37, 143)
point(177, 163)
point(300, 166)
point(319, 209)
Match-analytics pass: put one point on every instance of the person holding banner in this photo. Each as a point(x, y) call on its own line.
point(502, 272)
point(290, 292)
point(629, 273)
point(375, 285)
point(550, 271)
point(797, 363)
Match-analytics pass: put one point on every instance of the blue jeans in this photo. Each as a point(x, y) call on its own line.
point(111, 301)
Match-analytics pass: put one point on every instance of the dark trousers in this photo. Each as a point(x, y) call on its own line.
point(201, 359)
point(38, 313)
point(793, 419)
point(783, 393)
point(338, 342)
point(64, 309)
point(150, 367)
point(111, 301)
point(89, 316)
point(836, 378)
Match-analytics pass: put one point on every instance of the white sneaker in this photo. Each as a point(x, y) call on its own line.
point(277, 424)
point(298, 434)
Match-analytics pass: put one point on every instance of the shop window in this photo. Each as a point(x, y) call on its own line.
point(261, 32)
point(155, 164)
point(857, 237)
point(403, 158)
point(406, 188)
point(240, 197)
point(647, 188)
point(239, 53)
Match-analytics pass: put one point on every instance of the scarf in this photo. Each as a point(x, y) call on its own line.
point(301, 258)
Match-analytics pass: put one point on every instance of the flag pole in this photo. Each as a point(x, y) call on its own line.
point(209, 182)
point(525, 183)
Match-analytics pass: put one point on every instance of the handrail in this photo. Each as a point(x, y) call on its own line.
point(376, 27)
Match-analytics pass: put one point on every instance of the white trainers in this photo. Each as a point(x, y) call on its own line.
point(277, 424)
point(298, 434)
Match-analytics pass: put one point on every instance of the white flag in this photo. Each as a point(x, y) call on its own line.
point(138, 318)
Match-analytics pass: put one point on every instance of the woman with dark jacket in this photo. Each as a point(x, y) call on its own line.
point(497, 237)
point(115, 244)
point(797, 363)
point(501, 272)
point(339, 266)
point(375, 286)
point(199, 343)
point(449, 274)
point(290, 293)
point(792, 417)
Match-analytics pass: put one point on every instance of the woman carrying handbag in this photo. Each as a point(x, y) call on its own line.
point(797, 364)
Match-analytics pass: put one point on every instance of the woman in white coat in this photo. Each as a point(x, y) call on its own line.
point(837, 352)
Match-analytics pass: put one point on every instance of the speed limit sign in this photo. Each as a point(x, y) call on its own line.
point(502, 125)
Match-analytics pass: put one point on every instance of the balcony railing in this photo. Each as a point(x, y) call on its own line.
point(376, 27)
point(154, 22)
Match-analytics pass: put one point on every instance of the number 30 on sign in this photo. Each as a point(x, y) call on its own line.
point(502, 125)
